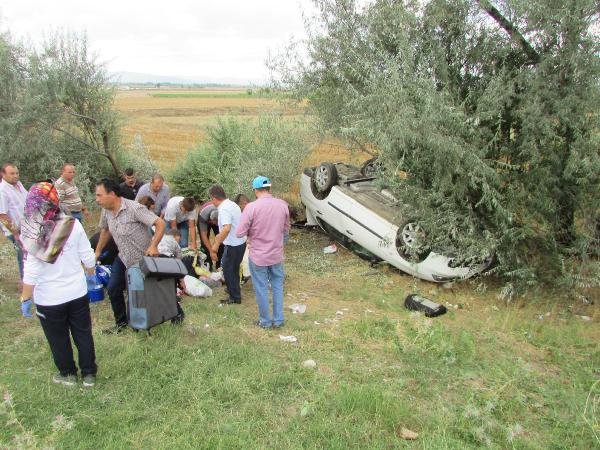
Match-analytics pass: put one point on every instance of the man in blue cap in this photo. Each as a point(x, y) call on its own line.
point(266, 222)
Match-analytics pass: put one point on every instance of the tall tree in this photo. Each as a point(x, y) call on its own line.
point(488, 109)
point(57, 107)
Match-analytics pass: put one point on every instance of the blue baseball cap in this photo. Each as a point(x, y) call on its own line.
point(261, 182)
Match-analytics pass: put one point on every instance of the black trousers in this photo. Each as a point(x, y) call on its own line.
point(116, 287)
point(232, 258)
point(74, 317)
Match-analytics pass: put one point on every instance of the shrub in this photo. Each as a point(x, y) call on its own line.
point(138, 158)
point(237, 150)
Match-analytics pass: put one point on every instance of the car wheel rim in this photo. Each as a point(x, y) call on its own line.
point(321, 178)
point(412, 233)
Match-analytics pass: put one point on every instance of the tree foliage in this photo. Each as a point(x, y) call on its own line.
point(237, 150)
point(57, 107)
point(488, 109)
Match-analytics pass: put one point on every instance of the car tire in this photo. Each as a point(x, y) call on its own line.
point(371, 167)
point(407, 242)
point(323, 178)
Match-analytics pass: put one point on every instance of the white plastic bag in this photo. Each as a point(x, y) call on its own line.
point(330, 249)
point(297, 308)
point(195, 287)
point(217, 276)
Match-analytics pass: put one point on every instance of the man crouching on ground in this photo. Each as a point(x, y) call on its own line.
point(128, 222)
point(266, 222)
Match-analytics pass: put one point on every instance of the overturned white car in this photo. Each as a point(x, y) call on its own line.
point(345, 202)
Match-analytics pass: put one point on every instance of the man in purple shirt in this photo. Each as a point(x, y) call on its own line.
point(266, 222)
point(12, 203)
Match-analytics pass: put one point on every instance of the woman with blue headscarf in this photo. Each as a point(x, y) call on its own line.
point(54, 279)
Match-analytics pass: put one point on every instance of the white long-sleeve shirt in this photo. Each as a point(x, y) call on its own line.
point(64, 280)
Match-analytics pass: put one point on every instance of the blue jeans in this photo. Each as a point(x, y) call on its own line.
point(184, 229)
point(261, 277)
point(115, 288)
point(19, 252)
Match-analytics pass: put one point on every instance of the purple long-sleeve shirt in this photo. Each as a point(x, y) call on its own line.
point(265, 222)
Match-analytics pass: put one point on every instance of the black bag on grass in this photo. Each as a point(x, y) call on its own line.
point(157, 267)
point(415, 302)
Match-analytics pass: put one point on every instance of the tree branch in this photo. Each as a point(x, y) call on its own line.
point(362, 147)
point(106, 146)
point(81, 116)
point(106, 152)
point(91, 135)
point(81, 141)
point(534, 57)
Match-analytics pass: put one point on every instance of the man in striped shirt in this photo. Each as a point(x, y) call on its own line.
point(68, 194)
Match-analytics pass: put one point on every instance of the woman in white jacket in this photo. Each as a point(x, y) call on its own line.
point(54, 278)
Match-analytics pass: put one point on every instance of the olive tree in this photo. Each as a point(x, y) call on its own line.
point(57, 107)
point(483, 114)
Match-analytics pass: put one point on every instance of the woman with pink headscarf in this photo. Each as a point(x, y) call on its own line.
point(55, 281)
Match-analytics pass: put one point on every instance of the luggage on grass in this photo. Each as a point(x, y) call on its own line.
point(415, 302)
point(157, 267)
point(152, 301)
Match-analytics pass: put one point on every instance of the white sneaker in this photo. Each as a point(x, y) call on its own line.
point(89, 380)
point(65, 380)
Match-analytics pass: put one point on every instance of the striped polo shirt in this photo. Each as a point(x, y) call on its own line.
point(68, 195)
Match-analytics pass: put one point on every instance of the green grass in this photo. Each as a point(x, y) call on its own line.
point(475, 377)
point(224, 94)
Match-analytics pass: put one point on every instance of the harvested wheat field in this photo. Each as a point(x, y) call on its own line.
point(170, 122)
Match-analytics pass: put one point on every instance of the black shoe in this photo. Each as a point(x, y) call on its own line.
point(277, 326)
point(178, 319)
point(115, 329)
point(258, 324)
point(230, 301)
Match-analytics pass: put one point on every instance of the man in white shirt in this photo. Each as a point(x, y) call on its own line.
point(12, 204)
point(180, 214)
point(234, 247)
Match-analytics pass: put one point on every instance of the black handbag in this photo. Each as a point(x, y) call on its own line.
point(415, 302)
point(157, 267)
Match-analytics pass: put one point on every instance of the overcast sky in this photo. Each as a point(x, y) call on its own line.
point(183, 38)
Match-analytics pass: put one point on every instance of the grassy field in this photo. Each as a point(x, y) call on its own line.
point(485, 374)
point(522, 375)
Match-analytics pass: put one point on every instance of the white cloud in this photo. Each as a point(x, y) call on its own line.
point(185, 38)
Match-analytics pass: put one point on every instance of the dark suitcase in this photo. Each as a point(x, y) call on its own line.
point(157, 267)
point(417, 303)
point(152, 301)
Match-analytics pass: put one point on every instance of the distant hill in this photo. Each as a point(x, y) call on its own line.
point(142, 78)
